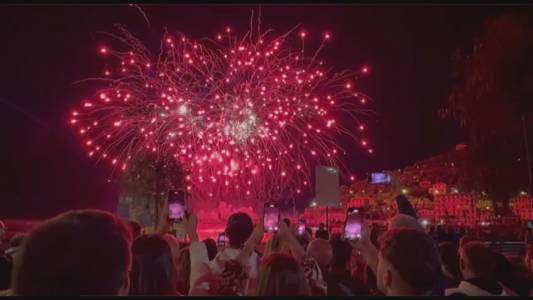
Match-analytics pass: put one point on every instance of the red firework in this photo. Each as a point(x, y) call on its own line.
point(247, 117)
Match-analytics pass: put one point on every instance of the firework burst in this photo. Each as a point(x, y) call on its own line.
point(247, 117)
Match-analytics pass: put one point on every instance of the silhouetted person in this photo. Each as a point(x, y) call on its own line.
point(397, 275)
point(321, 232)
point(238, 229)
point(477, 263)
point(153, 271)
point(339, 278)
point(449, 264)
point(81, 252)
point(280, 275)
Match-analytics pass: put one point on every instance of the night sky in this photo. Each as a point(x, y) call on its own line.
point(45, 49)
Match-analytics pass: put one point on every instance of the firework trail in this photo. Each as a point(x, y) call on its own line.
point(248, 117)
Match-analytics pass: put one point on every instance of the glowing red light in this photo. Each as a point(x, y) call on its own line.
point(103, 50)
point(303, 34)
point(327, 36)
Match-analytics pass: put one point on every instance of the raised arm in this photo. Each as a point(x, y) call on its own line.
point(164, 223)
point(366, 248)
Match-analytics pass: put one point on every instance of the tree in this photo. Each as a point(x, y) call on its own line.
point(148, 178)
point(493, 101)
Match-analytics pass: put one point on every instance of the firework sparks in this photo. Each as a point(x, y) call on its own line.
point(247, 117)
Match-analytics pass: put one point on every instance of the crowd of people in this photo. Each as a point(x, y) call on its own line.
point(92, 252)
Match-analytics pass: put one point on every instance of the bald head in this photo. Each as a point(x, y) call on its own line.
point(404, 221)
point(477, 260)
point(320, 250)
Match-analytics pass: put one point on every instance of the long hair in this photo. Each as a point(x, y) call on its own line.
point(280, 275)
point(275, 245)
point(153, 271)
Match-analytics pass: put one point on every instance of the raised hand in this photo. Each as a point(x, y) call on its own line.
point(366, 248)
point(190, 223)
point(364, 242)
point(259, 231)
point(164, 224)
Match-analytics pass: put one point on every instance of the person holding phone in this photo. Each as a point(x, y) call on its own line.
point(203, 281)
point(239, 229)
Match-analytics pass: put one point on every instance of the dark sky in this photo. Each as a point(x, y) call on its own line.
point(44, 169)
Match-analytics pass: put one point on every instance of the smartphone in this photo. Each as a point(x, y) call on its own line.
point(379, 178)
point(530, 224)
point(176, 205)
point(301, 227)
point(221, 241)
point(353, 224)
point(271, 217)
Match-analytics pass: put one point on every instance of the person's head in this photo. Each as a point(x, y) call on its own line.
point(342, 252)
point(211, 247)
point(449, 260)
point(153, 271)
point(238, 229)
point(135, 229)
point(408, 263)
point(477, 260)
point(320, 250)
point(81, 252)
point(184, 267)
point(287, 221)
point(404, 221)
point(281, 275)
point(321, 226)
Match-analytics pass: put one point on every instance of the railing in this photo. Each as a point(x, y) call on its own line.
point(508, 248)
